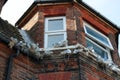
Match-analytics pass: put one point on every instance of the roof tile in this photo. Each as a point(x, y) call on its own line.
point(9, 30)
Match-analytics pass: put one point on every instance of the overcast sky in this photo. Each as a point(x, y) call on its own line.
point(108, 8)
point(14, 9)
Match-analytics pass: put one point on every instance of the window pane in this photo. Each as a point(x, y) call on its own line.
point(98, 50)
point(55, 24)
point(98, 36)
point(52, 39)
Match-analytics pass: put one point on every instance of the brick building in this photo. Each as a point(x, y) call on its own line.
point(59, 40)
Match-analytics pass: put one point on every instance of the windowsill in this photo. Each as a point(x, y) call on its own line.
point(59, 48)
point(73, 47)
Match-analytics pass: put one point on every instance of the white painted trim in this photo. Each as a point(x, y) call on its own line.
point(108, 46)
point(60, 48)
point(119, 45)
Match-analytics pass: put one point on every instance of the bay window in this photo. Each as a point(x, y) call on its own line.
point(98, 41)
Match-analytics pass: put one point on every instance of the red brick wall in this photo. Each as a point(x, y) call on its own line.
point(96, 73)
point(2, 67)
point(73, 21)
point(25, 68)
point(56, 76)
point(114, 54)
point(22, 71)
point(91, 77)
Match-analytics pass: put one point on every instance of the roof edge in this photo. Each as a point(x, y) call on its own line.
point(5, 1)
point(79, 1)
point(4, 38)
point(54, 1)
point(98, 14)
point(39, 2)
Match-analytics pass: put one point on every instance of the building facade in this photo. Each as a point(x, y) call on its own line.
point(61, 40)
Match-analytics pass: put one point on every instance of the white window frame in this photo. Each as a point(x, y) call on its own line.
point(54, 32)
point(46, 37)
point(99, 41)
point(106, 50)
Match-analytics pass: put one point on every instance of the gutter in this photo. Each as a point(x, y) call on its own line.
point(18, 46)
point(11, 57)
point(4, 38)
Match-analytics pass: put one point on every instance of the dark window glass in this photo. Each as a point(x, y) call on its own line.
point(52, 39)
point(98, 50)
point(55, 24)
point(97, 36)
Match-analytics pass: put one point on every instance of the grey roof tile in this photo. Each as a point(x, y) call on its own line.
point(7, 30)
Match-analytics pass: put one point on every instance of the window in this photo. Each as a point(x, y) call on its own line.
point(98, 49)
point(98, 41)
point(55, 30)
point(96, 35)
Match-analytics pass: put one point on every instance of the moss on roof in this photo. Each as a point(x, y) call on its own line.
point(8, 30)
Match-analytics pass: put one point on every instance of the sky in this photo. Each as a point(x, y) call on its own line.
point(14, 9)
point(108, 8)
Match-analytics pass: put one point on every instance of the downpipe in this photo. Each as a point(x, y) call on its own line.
point(10, 63)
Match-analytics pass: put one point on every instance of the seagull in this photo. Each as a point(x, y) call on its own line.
point(77, 51)
point(68, 51)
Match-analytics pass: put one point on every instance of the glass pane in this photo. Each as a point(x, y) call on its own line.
point(55, 24)
point(98, 50)
point(52, 39)
point(98, 36)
